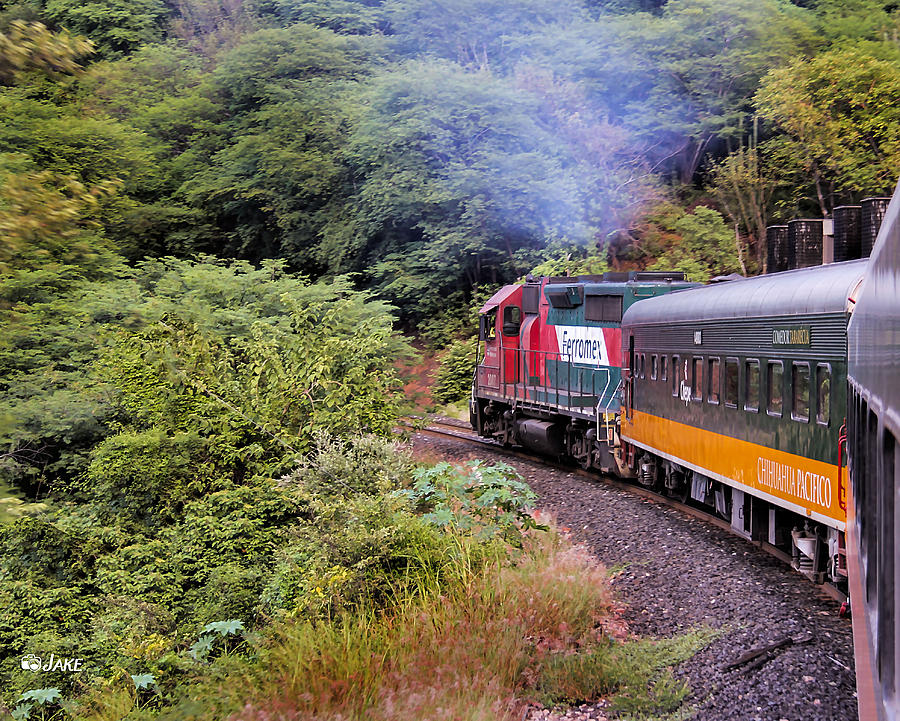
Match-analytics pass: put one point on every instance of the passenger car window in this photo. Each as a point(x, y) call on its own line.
point(663, 368)
point(800, 391)
point(731, 382)
point(751, 386)
point(676, 374)
point(654, 367)
point(775, 388)
point(697, 379)
point(823, 394)
point(713, 392)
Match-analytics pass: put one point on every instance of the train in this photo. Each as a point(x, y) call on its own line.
point(730, 395)
point(770, 400)
point(873, 427)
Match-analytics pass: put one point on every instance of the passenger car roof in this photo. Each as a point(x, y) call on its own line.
point(806, 291)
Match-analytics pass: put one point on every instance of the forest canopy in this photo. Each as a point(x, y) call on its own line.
point(435, 149)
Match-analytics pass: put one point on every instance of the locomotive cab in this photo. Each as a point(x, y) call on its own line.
point(499, 326)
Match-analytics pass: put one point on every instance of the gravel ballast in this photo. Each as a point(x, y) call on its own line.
point(679, 573)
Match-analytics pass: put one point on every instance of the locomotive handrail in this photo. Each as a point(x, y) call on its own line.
point(550, 390)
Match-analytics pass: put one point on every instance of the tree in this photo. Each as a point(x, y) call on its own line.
point(281, 173)
point(116, 27)
point(694, 69)
point(164, 92)
point(269, 64)
point(455, 171)
point(347, 17)
point(698, 243)
point(48, 219)
point(245, 353)
point(94, 151)
point(154, 74)
point(212, 27)
point(626, 6)
point(745, 188)
point(476, 34)
point(30, 46)
point(52, 245)
point(839, 120)
point(278, 181)
point(843, 20)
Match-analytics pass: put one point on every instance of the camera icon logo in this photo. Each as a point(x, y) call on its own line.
point(30, 662)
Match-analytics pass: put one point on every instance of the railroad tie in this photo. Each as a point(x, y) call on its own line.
point(756, 657)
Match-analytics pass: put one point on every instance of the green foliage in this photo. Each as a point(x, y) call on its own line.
point(196, 421)
point(843, 20)
point(363, 465)
point(636, 676)
point(459, 171)
point(350, 17)
point(265, 393)
point(271, 188)
point(143, 681)
point(839, 119)
point(559, 259)
point(268, 64)
point(487, 500)
point(149, 476)
point(29, 46)
point(362, 552)
point(215, 632)
point(212, 27)
point(678, 80)
point(139, 586)
point(698, 243)
point(745, 188)
point(92, 169)
point(453, 381)
point(44, 698)
point(49, 220)
point(490, 42)
point(115, 27)
point(164, 91)
point(437, 149)
point(94, 150)
point(256, 355)
point(646, 683)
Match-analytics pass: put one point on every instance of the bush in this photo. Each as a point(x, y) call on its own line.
point(148, 476)
point(364, 464)
point(486, 501)
point(453, 381)
point(480, 644)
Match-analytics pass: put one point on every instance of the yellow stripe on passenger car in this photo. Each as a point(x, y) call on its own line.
point(806, 485)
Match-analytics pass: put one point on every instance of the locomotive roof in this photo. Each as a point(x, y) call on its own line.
point(806, 291)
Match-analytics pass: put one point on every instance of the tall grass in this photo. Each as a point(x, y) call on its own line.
point(498, 637)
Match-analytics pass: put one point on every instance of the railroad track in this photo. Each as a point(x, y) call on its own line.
point(461, 431)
